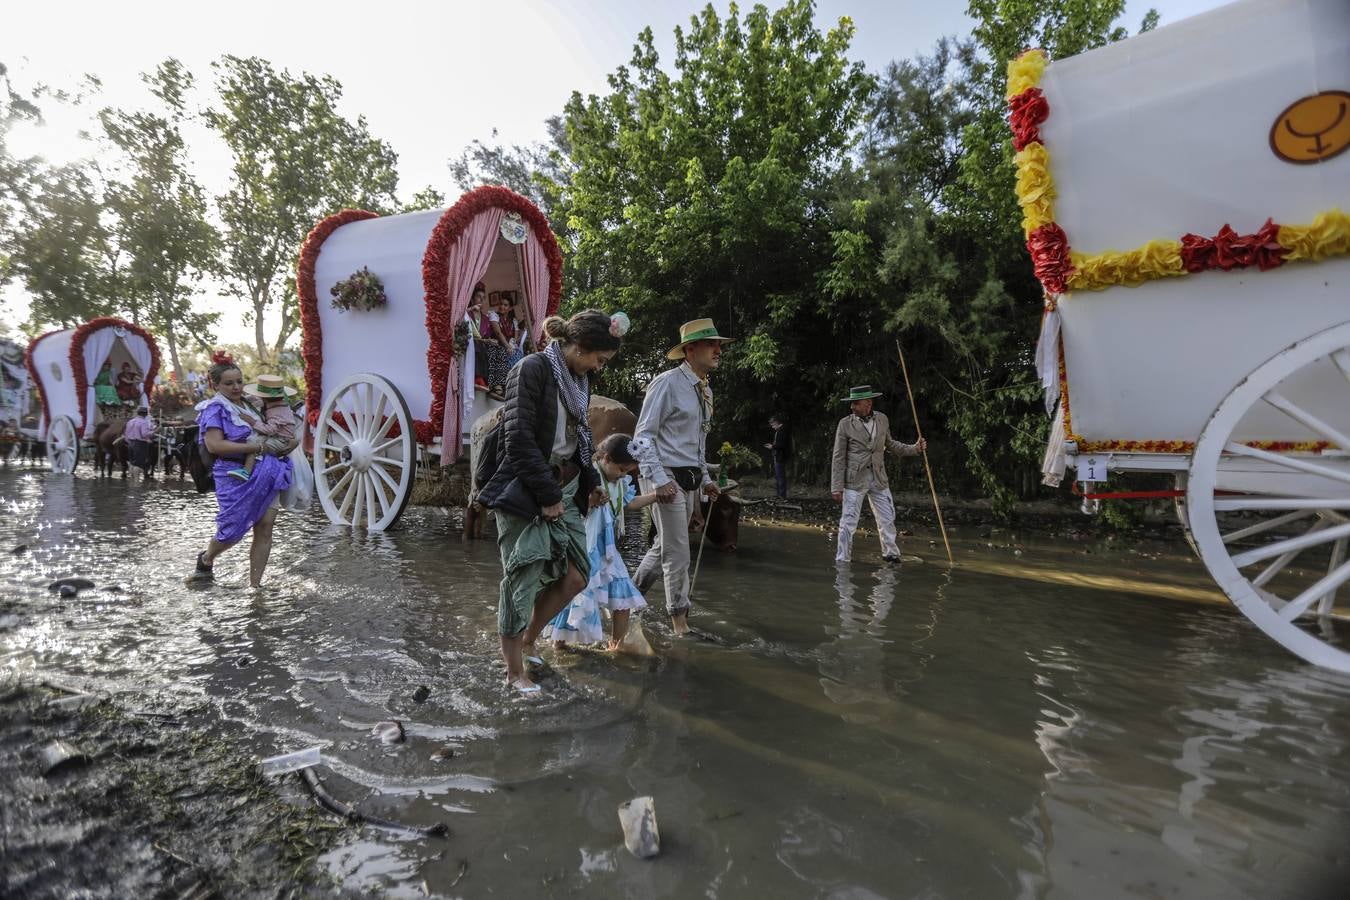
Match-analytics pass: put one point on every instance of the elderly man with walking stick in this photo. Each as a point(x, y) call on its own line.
point(858, 472)
point(676, 417)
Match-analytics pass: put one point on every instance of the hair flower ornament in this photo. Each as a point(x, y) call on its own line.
point(221, 356)
point(619, 324)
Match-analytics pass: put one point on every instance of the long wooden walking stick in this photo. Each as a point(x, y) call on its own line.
point(699, 560)
point(927, 469)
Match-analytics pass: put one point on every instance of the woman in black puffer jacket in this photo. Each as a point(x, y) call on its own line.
point(542, 488)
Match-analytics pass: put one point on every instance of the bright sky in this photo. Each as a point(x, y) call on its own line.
point(428, 77)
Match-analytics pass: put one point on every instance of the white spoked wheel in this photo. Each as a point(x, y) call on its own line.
point(63, 445)
point(1272, 525)
point(365, 453)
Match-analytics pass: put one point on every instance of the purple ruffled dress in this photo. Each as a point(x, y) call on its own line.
point(242, 503)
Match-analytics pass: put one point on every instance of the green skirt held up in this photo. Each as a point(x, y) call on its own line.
point(535, 553)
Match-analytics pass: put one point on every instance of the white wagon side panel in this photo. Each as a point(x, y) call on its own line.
point(51, 359)
point(1169, 133)
point(391, 341)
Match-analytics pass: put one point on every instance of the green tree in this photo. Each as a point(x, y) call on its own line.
point(700, 193)
point(60, 248)
point(160, 213)
point(296, 160)
point(427, 198)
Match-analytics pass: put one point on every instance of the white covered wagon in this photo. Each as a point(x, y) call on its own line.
point(66, 364)
point(385, 383)
point(1184, 196)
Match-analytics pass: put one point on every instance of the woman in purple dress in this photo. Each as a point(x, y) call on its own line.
point(225, 429)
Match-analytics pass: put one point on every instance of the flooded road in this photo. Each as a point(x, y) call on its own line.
point(1074, 721)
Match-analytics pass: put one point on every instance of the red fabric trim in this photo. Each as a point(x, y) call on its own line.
point(77, 359)
point(37, 378)
point(436, 283)
point(311, 342)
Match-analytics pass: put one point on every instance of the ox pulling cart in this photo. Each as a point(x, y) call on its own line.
point(77, 371)
point(370, 367)
point(1184, 196)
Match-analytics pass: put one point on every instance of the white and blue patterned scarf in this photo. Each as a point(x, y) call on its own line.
point(575, 391)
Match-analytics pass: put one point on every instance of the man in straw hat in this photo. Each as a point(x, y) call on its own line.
point(676, 418)
point(277, 427)
point(858, 470)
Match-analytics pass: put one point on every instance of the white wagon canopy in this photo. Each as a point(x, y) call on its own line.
point(1184, 198)
point(76, 391)
point(383, 374)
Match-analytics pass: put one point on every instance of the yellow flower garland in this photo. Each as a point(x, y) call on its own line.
point(1025, 72)
point(1328, 235)
point(1035, 187)
point(1156, 259)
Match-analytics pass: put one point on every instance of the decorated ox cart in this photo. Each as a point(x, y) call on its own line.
point(1184, 196)
point(100, 371)
point(388, 380)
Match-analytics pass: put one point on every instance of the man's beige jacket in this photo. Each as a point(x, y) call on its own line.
point(856, 452)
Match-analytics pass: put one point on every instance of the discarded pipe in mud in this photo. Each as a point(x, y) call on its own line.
point(637, 817)
point(346, 811)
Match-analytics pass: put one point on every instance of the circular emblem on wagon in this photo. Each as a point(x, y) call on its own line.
point(56, 372)
point(1313, 129)
point(514, 228)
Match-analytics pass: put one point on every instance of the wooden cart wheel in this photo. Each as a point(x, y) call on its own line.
point(1279, 551)
point(365, 453)
point(63, 445)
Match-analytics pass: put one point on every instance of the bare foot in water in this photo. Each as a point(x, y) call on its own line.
point(524, 686)
point(680, 624)
point(531, 655)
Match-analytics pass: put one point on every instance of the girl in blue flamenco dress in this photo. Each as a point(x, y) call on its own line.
point(610, 586)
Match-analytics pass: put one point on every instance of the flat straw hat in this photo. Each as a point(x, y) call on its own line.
point(861, 392)
point(697, 330)
point(269, 386)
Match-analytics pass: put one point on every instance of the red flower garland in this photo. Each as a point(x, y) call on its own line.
point(311, 342)
point(77, 358)
point(1229, 250)
point(436, 283)
point(1027, 111)
point(33, 372)
point(1049, 249)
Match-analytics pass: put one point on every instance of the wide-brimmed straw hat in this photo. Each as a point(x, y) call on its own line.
point(697, 330)
point(861, 392)
point(269, 386)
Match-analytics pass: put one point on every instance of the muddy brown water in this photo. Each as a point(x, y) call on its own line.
point(1079, 720)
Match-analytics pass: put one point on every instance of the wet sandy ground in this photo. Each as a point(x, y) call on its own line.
point(1072, 720)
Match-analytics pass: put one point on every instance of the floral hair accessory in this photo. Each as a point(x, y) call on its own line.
point(221, 357)
point(640, 448)
point(619, 324)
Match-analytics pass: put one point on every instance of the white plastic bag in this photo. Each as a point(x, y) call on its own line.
point(299, 496)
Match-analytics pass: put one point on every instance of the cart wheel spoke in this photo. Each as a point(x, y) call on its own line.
point(1296, 463)
point(1329, 433)
point(377, 418)
point(1318, 534)
point(1328, 600)
point(1261, 527)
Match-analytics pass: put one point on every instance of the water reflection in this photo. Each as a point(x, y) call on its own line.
point(1025, 727)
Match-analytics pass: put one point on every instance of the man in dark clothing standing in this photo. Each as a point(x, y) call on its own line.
point(781, 450)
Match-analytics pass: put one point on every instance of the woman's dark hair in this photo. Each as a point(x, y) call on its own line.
point(217, 372)
point(588, 329)
point(615, 449)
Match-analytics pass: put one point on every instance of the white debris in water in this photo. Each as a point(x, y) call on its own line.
point(640, 834)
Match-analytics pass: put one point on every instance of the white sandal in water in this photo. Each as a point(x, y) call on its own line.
point(527, 688)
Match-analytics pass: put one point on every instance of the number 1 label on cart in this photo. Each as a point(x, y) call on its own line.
point(1092, 468)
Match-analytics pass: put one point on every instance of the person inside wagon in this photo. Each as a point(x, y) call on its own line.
point(490, 346)
point(128, 384)
point(226, 425)
point(104, 392)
